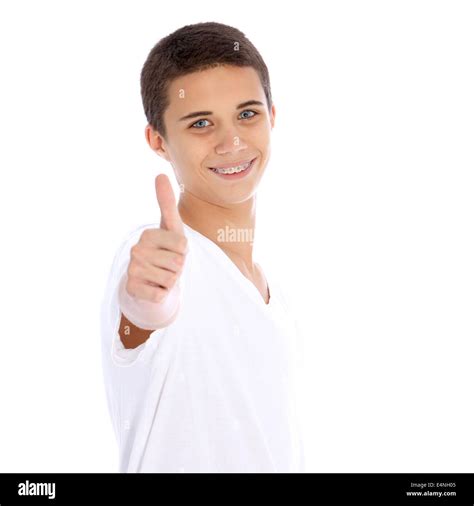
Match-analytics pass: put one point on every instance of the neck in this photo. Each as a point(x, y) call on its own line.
point(231, 227)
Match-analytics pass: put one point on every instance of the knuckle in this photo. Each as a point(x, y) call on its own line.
point(179, 260)
point(133, 270)
point(145, 234)
point(135, 251)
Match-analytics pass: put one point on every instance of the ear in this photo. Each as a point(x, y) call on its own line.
point(156, 142)
point(272, 116)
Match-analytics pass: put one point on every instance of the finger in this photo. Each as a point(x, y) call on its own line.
point(152, 274)
point(142, 291)
point(170, 218)
point(165, 239)
point(163, 259)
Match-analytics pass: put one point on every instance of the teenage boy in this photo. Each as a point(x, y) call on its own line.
point(197, 337)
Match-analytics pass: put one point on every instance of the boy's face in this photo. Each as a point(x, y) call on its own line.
point(228, 135)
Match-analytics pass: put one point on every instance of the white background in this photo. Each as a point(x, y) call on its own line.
point(369, 196)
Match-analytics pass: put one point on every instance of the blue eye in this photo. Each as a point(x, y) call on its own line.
point(248, 117)
point(248, 110)
point(199, 121)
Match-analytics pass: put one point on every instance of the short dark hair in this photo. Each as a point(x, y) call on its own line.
point(189, 49)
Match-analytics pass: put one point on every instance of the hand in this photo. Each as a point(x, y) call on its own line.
point(157, 260)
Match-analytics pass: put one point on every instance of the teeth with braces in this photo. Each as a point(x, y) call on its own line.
point(233, 170)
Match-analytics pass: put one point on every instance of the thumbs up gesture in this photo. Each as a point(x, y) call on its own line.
point(157, 260)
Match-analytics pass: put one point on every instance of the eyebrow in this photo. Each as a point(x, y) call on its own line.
point(208, 113)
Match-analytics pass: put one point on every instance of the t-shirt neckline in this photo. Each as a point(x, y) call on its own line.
point(250, 287)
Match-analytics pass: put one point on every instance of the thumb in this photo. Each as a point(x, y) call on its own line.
point(170, 218)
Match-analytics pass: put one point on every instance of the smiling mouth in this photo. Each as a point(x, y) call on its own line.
point(236, 169)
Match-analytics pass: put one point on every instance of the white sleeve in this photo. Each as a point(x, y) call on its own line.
point(111, 312)
point(126, 371)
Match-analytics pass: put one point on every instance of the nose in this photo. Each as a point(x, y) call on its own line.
point(230, 142)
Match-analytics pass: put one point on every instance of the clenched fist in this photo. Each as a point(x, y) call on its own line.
point(157, 260)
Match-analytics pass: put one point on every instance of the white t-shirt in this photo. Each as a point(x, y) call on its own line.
point(213, 391)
